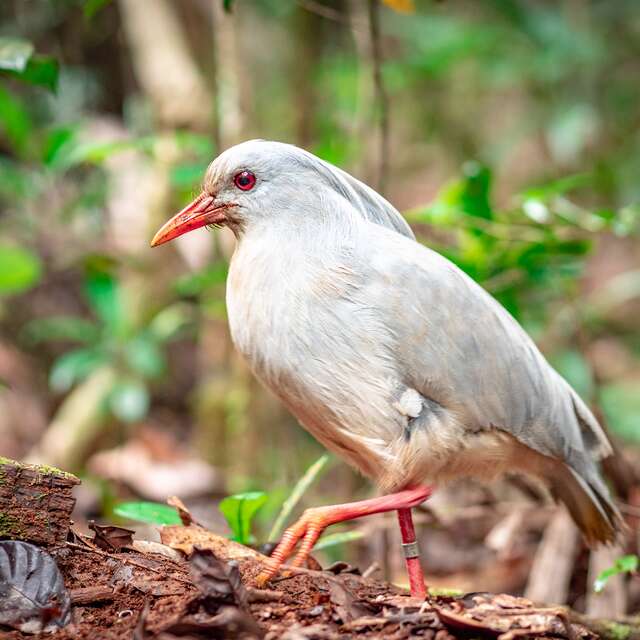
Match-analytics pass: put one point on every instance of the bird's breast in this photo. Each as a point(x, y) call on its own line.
point(305, 334)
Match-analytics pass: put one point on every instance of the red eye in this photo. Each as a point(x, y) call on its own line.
point(244, 180)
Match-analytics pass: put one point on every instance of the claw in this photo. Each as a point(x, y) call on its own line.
point(314, 521)
point(308, 529)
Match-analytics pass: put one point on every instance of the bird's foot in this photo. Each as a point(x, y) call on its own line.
point(314, 521)
point(306, 530)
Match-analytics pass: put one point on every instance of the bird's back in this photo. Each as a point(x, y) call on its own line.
point(482, 376)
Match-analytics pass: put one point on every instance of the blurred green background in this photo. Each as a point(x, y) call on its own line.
point(507, 131)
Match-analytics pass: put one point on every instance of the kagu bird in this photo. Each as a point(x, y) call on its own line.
point(384, 350)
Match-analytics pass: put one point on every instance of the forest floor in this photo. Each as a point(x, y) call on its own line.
point(197, 584)
point(211, 594)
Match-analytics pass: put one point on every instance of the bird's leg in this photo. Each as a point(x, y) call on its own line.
point(313, 522)
point(411, 554)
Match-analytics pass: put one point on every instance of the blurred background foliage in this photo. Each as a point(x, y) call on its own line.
point(506, 130)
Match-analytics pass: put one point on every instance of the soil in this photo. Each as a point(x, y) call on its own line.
point(127, 594)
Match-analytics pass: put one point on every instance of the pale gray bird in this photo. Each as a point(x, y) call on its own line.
point(384, 350)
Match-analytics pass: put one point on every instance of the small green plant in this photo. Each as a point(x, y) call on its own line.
point(625, 564)
point(239, 511)
point(20, 270)
point(150, 512)
point(115, 340)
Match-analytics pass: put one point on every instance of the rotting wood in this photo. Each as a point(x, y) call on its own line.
point(36, 502)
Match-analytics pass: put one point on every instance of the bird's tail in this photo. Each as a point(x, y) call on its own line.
point(589, 504)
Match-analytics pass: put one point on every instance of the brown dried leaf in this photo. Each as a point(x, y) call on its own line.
point(186, 538)
point(217, 579)
point(230, 622)
point(345, 603)
point(183, 512)
point(110, 537)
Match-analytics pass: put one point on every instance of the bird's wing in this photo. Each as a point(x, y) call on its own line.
point(459, 347)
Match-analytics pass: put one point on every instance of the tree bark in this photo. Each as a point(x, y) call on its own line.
point(35, 502)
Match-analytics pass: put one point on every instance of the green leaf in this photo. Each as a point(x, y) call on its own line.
point(73, 367)
point(103, 292)
point(129, 401)
point(474, 198)
point(42, 71)
point(14, 53)
point(71, 328)
point(15, 121)
point(625, 564)
point(341, 537)
point(56, 142)
point(20, 269)
point(144, 356)
point(227, 5)
point(91, 7)
point(170, 322)
point(239, 511)
point(310, 475)
point(558, 187)
point(151, 512)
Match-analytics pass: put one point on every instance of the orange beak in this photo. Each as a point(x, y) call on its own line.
point(202, 211)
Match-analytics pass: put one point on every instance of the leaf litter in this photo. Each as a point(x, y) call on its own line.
point(210, 593)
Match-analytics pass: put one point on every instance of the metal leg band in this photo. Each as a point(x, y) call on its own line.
point(410, 549)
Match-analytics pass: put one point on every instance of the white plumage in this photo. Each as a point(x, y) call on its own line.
point(383, 349)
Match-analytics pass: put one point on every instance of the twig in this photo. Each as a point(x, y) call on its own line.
point(381, 97)
point(323, 11)
point(374, 567)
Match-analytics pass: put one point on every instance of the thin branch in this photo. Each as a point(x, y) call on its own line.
point(381, 97)
point(321, 10)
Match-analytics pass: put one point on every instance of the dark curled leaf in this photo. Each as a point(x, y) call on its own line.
point(217, 580)
point(229, 623)
point(32, 593)
point(346, 606)
point(111, 538)
point(343, 567)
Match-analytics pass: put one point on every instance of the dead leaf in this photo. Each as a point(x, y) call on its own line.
point(504, 616)
point(185, 538)
point(183, 512)
point(110, 537)
point(345, 603)
point(33, 597)
point(230, 622)
point(148, 546)
point(340, 567)
point(401, 6)
point(217, 579)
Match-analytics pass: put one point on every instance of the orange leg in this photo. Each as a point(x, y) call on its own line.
point(314, 521)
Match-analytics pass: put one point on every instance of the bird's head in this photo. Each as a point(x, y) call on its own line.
point(260, 180)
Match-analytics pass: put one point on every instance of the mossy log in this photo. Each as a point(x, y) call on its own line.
point(36, 502)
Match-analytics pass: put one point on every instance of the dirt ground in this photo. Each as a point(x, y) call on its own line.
point(127, 594)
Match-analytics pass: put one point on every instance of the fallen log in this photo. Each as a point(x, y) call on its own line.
point(36, 502)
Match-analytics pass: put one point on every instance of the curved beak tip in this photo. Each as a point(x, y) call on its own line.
point(202, 211)
point(155, 241)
